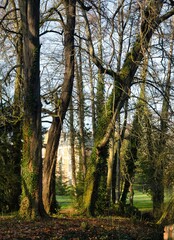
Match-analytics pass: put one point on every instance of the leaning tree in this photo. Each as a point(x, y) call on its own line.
point(152, 14)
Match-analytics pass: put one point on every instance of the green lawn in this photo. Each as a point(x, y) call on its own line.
point(65, 201)
point(142, 201)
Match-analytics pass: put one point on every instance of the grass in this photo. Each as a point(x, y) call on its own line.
point(65, 201)
point(142, 201)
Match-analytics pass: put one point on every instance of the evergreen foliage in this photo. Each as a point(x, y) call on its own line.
point(9, 179)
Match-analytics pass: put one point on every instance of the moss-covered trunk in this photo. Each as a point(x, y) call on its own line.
point(94, 196)
point(122, 84)
point(31, 198)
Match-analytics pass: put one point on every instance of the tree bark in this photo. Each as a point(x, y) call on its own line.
point(79, 78)
point(92, 96)
point(110, 168)
point(31, 200)
point(63, 103)
point(72, 142)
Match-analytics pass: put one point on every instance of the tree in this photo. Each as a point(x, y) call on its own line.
point(31, 165)
point(80, 96)
point(72, 142)
point(62, 103)
point(113, 182)
point(150, 21)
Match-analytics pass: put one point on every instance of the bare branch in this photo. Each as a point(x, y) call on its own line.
point(4, 17)
point(8, 73)
point(95, 59)
point(10, 11)
point(86, 8)
point(5, 5)
point(165, 16)
point(47, 111)
point(51, 31)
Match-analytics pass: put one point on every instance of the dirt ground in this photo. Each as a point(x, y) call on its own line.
point(66, 227)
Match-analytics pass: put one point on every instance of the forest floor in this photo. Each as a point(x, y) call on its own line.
point(66, 226)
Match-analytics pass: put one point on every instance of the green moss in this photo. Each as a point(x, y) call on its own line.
point(133, 58)
point(29, 176)
point(29, 187)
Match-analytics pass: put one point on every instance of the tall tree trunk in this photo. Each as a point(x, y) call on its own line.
point(115, 152)
point(54, 204)
point(117, 159)
point(63, 103)
point(100, 80)
point(79, 78)
point(136, 133)
point(110, 168)
point(130, 159)
point(31, 199)
point(116, 189)
point(49, 165)
point(92, 96)
point(72, 142)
